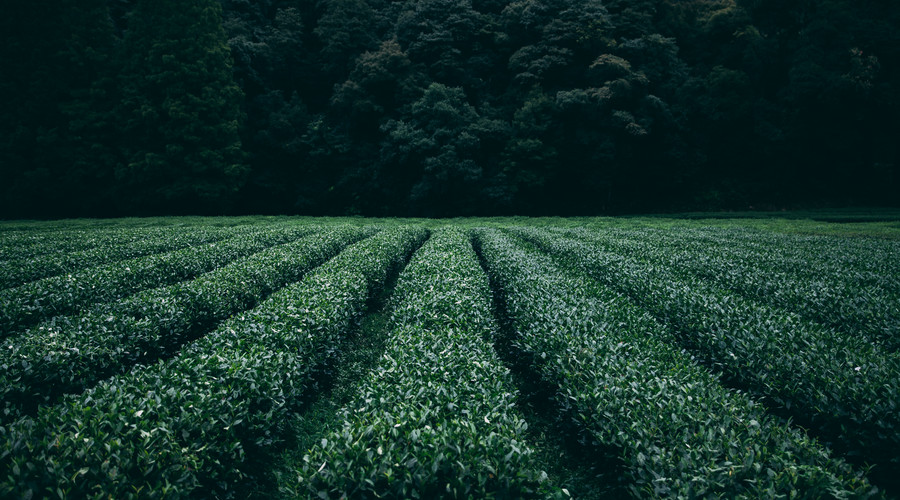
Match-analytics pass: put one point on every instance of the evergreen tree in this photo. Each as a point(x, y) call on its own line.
point(88, 145)
point(180, 110)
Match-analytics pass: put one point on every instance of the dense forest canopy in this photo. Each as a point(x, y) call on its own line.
point(446, 107)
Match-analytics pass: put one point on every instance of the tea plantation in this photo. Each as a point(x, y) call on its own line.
point(263, 357)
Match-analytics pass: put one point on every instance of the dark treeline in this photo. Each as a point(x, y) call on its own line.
point(446, 107)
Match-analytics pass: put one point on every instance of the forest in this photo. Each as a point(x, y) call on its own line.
point(443, 108)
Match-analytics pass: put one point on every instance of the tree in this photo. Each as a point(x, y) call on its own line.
point(266, 40)
point(434, 151)
point(443, 35)
point(55, 97)
point(530, 158)
point(346, 141)
point(556, 39)
point(345, 31)
point(180, 110)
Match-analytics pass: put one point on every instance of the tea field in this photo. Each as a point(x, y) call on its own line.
point(261, 357)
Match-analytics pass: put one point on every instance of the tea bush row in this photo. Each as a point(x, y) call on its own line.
point(870, 258)
point(620, 377)
point(818, 291)
point(74, 353)
point(191, 426)
point(30, 244)
point(18, 271)
point(28, 304)
point(437, 418)
point(841, 386)
point(861, 261)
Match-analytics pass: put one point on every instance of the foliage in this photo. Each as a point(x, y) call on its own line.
point(853, 290)
point(564, 108)
point(840, 385)
point(18, 269)
point(32, 302)
point(615, 372)
point(438, 417)
point(189, 424)
point(179, 110)
point(68, 354)
point(674, 358)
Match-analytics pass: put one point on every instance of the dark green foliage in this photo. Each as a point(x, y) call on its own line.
point(188, 426)
point(438, 147)
point(30, 303)
point(344, 31)
point(179, 110)
point(54, 359)
point(840, 385)
point(669, 363)
point(55, 99)
point(129, 244)
point(848, 287)
point(437, 418)
point(112, 107)
point(618, 376)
